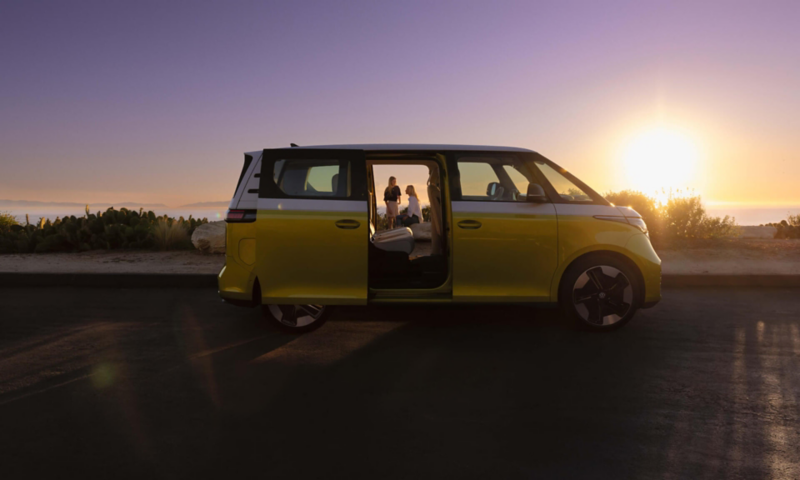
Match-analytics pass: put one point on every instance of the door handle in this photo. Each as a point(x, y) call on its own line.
point(469, 224)
point(348, 224)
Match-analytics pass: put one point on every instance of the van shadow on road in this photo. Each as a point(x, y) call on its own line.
point(173, 384)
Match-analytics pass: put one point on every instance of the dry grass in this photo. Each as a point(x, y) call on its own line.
point(169, 235)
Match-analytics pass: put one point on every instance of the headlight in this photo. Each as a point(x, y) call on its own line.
point(636, 222)
point(639, 223)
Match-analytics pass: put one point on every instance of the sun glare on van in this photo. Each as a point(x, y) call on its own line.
point(660, 158)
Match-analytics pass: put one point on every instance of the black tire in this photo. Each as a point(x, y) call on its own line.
point(296, 318)
point(600, 293)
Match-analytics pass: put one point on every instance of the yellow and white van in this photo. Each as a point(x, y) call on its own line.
point(506, 226)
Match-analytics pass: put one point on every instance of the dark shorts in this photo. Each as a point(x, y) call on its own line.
point(408, 221)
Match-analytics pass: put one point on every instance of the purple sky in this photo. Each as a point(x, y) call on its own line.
point(156, 101)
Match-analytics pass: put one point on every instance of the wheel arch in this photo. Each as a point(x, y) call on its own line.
point(556, 291)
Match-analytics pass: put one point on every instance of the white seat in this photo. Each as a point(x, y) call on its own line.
point(397, 240)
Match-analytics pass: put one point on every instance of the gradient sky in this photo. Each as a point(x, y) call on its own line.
point(156, 101)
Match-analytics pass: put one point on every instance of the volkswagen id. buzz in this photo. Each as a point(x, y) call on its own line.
point(506, 225)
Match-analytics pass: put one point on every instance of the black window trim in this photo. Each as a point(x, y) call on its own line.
point(358, 172)
point(597, 199)
point(527, 158)
point(455, 177)
point(248, 159)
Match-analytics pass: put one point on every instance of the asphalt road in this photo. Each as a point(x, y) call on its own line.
point(172, 383)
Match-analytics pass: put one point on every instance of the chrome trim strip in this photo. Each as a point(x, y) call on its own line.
point(517, 208)
point(309, 205)
point(575, 210)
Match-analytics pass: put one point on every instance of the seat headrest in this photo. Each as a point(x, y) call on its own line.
point(335, 183)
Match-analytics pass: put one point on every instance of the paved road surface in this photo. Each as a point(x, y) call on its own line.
point(174, 384)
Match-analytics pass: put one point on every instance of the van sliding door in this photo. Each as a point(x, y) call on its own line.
point(312, 227)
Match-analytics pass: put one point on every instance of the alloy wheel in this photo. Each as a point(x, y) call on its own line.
point(297, 315)
point(602, 295)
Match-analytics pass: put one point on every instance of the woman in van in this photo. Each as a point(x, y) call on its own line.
point(414, 214)
point(391, 196)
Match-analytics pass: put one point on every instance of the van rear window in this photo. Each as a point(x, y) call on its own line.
point(313, 178)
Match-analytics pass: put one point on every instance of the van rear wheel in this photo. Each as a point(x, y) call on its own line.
point(296, 318)
point(600, 293)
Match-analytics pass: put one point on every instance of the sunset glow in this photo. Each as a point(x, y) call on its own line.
point(607, 90)
point(661, 159)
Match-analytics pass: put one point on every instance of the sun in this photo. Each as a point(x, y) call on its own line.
point(660, 159)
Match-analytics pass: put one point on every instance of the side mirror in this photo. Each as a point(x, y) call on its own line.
point(536, 194)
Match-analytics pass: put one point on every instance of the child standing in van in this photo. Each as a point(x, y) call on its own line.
point(391, 196)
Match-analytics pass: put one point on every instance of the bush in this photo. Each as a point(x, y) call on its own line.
point(646, 206)
point(170, 234)
point(789, 228)
point(680, 218)
point(6, 220)
point(112, 229)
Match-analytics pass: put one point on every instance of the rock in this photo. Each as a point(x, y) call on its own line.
point(421, 231)
point(210, 237)
point(757, 232)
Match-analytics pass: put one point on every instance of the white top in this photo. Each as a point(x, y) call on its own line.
point(413, 208)
point(409, 147)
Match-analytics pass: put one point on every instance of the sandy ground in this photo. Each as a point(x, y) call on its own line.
point(723, 257)
point(732, 257)
point(119, 261)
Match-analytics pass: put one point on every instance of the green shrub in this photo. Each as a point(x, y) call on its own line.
point(111, 229)
point(680, 218)
point(6, 219)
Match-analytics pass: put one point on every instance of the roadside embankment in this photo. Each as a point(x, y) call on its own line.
point(114, 262)
point(733, 262)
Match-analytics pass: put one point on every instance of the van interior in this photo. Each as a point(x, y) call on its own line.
point(403, 257)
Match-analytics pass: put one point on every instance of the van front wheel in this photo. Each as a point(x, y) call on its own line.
point(600, 293)
point(297, 318)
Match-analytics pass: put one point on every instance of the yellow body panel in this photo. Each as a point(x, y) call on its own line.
point(236, 278)
point(641, 251)
point(302, 257)
point(510, 258)
point(580, 235)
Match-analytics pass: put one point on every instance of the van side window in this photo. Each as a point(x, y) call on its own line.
point(313, 178)
point(492, 179)
point(567, 190)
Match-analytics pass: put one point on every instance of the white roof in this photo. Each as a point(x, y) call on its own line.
point(411, 147)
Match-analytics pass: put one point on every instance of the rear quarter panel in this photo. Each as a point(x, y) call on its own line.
point(236, 279)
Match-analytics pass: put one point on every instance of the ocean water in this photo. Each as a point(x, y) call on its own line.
point(753, 215)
